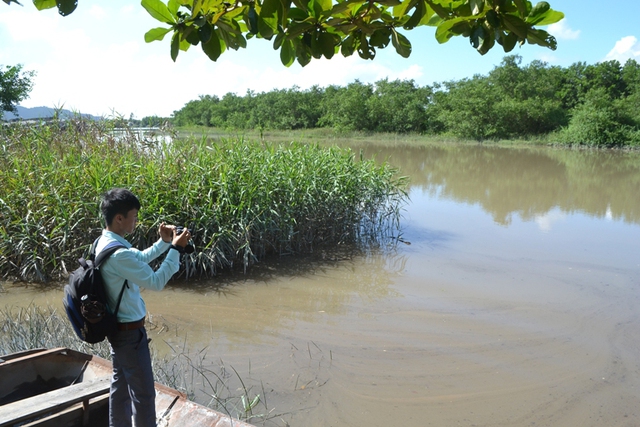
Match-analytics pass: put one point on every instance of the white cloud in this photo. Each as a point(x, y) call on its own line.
point(625, 48)
point(549, 58)
point(97, 12)
point(545, 222)
point(561, 30)
point(15, 19)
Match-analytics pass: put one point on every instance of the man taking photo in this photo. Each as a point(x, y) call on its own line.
point(132, 392)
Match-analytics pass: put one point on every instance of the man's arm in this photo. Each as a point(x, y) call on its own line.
point(132, 265)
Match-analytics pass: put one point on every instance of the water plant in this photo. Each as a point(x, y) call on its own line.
point(244, 200)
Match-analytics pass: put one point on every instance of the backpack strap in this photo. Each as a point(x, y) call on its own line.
point(124, 285)
point(105, 253)
point(102, 256)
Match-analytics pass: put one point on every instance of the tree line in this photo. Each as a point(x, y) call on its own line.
point(588, 104)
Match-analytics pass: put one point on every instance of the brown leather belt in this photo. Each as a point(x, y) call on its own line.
point(129, 326)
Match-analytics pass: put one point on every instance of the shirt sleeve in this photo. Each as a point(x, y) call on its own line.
point(132, 265)
point(153, 251)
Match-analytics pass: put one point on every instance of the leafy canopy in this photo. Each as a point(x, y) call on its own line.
point(15, 86)
point(306, 29)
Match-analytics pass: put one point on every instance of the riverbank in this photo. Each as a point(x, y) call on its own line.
point(328, 137)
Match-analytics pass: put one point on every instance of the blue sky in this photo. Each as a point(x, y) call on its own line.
point(96, 61)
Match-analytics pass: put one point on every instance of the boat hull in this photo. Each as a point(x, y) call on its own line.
point(66, 388)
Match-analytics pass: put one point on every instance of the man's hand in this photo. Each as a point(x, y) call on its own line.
point(181, 240)
point(166, 232)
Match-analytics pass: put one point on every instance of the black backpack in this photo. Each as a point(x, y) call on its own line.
point(85, 299)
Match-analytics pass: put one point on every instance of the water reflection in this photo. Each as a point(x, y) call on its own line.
point(275, 296)
point(532, 183)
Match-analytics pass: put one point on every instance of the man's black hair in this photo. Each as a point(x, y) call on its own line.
point(118, 201)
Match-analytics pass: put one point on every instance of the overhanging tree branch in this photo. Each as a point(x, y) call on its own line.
point(306, 29)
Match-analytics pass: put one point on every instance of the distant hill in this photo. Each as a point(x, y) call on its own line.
point(40, 113)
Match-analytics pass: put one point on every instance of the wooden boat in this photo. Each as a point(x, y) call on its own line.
point(66, 388)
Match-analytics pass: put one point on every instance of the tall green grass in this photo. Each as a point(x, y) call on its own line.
point(243, 199)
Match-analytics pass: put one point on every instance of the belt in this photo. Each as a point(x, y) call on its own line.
point(129, 326)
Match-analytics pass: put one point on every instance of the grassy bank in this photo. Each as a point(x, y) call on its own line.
point(218, 387)
point(327, 136)
point(244, 199)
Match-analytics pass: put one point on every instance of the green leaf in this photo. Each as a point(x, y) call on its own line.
point(477, 37)
point(508, 41)
point(191, 35)
point(551, 17)
point(287, 53)
point(173, 6)
point(451, 27)
point(185, 44)
point(277, 42)
point(401, 10)
point(542, 14)
point(270, 12)
point(380, 38)
point(414, 21)
point(488, 43)
point(197, 7)
point(348, 45)
point(542, 38)
point(159, 11)
point(524, 7)
point(401, 43)
point(320, 6)
point(365, 50)
point(328, 44)
point(477, 6)
point(45, 4)
point(439, 9)
point(391, 3)
point(175, 45)
point(540, 8)
point(298, 28)
point(156, 34)
point(296, 14)
point(316, 47)
point(492, 18)
point(346, 8)
point(205, 33)
point(252, 20)
point(302, 52)
point(66, 7)
point(515, 25)
point(213, 47)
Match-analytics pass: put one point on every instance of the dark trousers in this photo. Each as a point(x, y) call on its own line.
point(132, 387)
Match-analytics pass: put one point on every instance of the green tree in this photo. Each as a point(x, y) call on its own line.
point(398, 106)
point(631, 75)
point(465, 108)
point(288, 108)
point(15, 86)
point(345, 108)
point(600, 121)
point(526, 98)
point(306, 29)
point(608, 76)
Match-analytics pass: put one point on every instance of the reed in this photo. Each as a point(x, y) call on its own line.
point(243, 199)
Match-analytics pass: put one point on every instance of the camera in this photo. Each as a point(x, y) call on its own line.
point(181, 228)
point(189, 249)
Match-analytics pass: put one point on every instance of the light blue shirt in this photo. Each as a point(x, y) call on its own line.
point(133, 265)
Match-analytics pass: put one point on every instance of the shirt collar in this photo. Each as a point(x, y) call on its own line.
point(113, 236)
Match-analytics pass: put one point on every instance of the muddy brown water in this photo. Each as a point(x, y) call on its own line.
point(516, 303)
